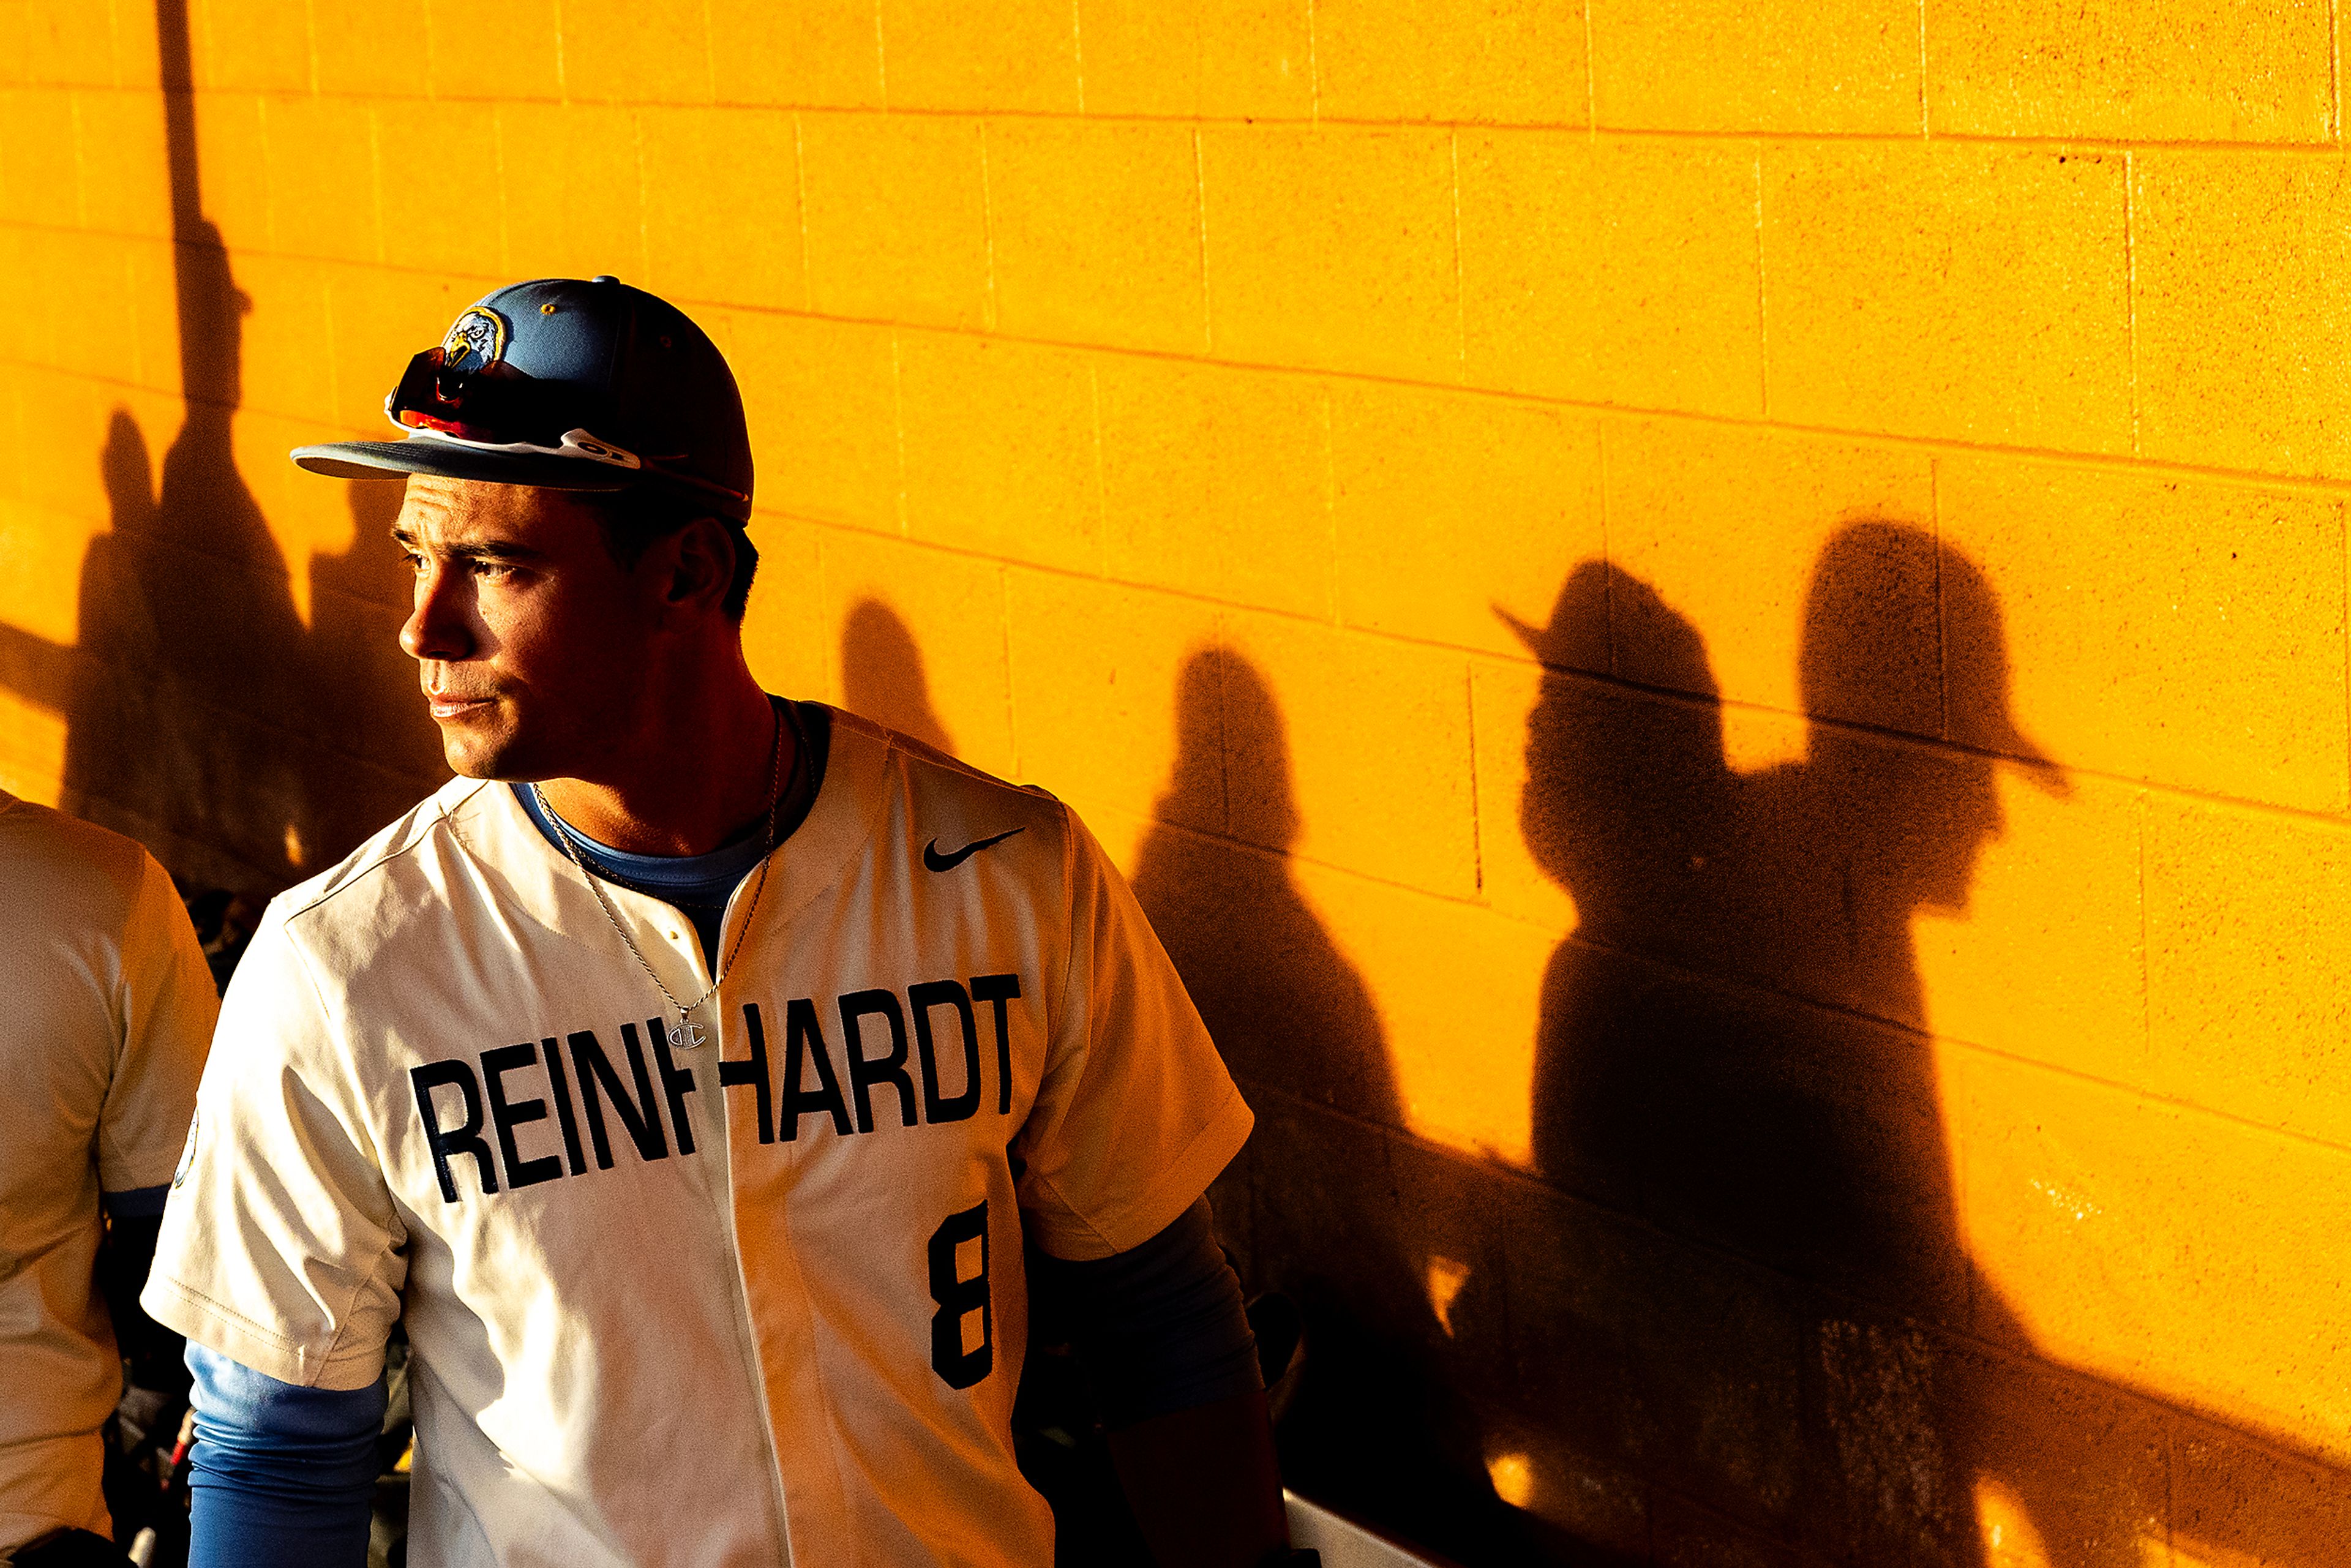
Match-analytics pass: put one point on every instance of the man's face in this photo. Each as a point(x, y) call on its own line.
point(530, 640)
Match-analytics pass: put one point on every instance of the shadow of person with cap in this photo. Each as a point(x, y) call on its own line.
point(882, 675)
point(1733, 1050)
point(1314, 1208)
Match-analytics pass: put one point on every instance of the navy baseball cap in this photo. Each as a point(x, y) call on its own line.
point(565, 385)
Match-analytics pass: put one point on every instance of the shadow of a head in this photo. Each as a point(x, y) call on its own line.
point(1627, 801)
point(1281, 1000)
point(882, 675)
point(124, 466)
point(1902, 634)
point(1259, 799)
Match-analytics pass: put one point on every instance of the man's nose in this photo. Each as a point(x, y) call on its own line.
point(436, 628)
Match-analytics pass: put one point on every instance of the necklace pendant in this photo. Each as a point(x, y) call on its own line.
point(685, 1034)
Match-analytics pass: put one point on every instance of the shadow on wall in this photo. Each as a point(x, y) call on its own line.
point(204, 718)
point(1776, 1315)
point(1320, 1203)
point(1735, 1314)
point(882, 675)
point(1732, 1053)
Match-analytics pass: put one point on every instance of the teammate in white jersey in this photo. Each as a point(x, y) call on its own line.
point(688, 1074)
point(110, 1005)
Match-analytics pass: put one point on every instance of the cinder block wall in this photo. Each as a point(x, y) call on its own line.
point(1715, 631)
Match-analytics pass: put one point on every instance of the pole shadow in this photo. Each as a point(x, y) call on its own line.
point(204, 717)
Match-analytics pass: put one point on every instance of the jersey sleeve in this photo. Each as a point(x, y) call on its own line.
point(1135, 1114)
point(166, 1004)
point(281, 1248)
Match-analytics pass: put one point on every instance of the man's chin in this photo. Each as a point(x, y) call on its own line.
point(469, 758)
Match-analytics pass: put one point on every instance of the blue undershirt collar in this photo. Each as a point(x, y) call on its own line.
point(698, 887)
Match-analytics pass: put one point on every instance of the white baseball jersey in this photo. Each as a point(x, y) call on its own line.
point(737, 1293)
point(109, 1008)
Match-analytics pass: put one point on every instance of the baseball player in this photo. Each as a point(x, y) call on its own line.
point(111, 1005)
point(688, 1075)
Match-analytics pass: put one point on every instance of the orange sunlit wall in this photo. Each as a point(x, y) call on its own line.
point(1714, 631)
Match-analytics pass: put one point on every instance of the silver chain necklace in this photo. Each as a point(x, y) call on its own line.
point(685, 1034)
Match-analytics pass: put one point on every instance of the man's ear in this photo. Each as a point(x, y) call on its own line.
point(701, 565)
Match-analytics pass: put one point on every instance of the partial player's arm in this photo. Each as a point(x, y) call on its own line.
point(1204, 1486)
point(1161, 1334)
point(167, 1005)
point(281, 1259)
point(1137, 1115)
point(280, 1474)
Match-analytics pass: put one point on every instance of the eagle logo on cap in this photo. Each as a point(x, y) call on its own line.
point(478, 340)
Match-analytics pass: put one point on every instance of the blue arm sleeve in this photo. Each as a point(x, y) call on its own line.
point(281, 1474)
point(138, 1203)
point(1159, 1327)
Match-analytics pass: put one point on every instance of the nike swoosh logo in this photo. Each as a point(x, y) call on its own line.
point(937, 862)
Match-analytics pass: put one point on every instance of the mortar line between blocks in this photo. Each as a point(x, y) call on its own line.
point(828, 656)
point(644, 204)
point(799, 179)
point(1607, 554)
point(1331, 504)
point(1942, 626)
point(1077, 54)
point(261, 116)
point(986, 234)
point(81, 158)
point(562, 78)
point(498, 163)
point(2334, 68)
point(2322, 146)
point(1460, 289)
point(432, 52)
point(1313, 69)
point(375, 182)
point(1762, 303)
point(334, 361)
point(880, 57)
point(1925, 125)
point(1102, 475)
point(2170, 1486)
point(1477, 812)
point(709, 52)
point(2141, 812)
point(898, 418)
point(2130, 284)
point(1591, 79)
point(1200, 208)
point(1004, 631)
point(1223, 655)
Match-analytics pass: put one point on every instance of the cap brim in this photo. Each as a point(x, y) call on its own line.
point(374, 459)
point(2010, 748)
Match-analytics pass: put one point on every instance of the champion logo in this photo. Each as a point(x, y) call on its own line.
point(937, 862)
